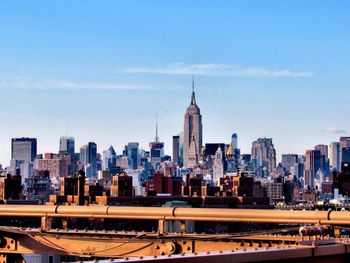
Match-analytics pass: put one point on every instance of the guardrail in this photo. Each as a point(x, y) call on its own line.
point(178, 214)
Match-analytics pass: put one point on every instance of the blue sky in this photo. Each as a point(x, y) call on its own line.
point(104, 69)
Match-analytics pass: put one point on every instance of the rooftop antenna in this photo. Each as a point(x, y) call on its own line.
point(193, 97)
point(192, 82)
point(157, 138)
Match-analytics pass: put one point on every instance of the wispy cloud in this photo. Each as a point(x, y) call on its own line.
point(19, 82)
point(99, 85)
point(216, 70)
point(334, 130)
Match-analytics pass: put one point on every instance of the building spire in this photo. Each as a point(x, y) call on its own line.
point(193, 83)
point(157, 138)
point(193, 98)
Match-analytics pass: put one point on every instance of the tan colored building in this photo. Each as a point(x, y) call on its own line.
point(192, 131)
point(121, 185)
point(57, 166)
point(274, 191)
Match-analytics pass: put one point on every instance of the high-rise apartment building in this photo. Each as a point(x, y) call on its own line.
point(334, 155)
point(264, 155)
point(192, 130)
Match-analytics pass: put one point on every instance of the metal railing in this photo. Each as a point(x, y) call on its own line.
point(178, 214)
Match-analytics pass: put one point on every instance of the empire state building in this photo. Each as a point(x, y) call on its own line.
point(193, 137)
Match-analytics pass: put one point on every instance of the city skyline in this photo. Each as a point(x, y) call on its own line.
point(104, 76)
point(179, 130)
point(279, 157)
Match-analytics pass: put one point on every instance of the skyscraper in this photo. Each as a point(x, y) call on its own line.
point(156, 149)
point(23, 152)
point(324, 158)
point(234, 141)
point(230, 159)
point(67, 149)
point(176, 149)
point(344, 143)
point(88, 157)
point(67, 145)
point(192, 129)
point(218, 167)
point(23, 149)
point(109, 158)
point(264, 155)
point(289, 160)
point(84, 155)
point(345, 154)
point(133, 155)
point(311, 166)
point(181, 150)
point(192, 159)
point(334, 155)
point(323, 149)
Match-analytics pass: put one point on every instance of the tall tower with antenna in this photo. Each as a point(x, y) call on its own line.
point(157, 137)
point(193, 130)
point(156, 149)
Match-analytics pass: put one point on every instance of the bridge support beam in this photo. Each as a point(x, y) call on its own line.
point(11, 258)
point(45, 223)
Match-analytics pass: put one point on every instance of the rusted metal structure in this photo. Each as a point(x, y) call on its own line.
point(314, 235)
